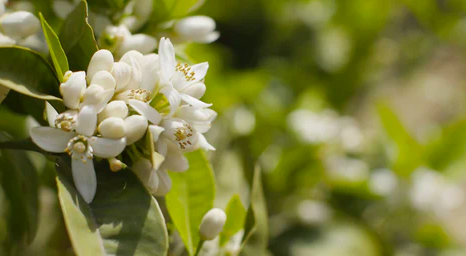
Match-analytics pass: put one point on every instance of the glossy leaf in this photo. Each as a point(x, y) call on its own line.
point(255, 237)
point(236, 215)
point(60, 62)
point(191, 196)
point(26, 72)
point(19, 182)
point(179, 8)
point(123, 218)
point(77, 38)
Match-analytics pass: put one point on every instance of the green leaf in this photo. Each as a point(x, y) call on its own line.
point(408, 151)
point(77, 38)
point(236, 215)
point(179, 8)
point(28, 73)
point(3, 93)
point(19, 181)
point(191, 197)
point(59, 59)
point(123, 218)
point(255, 237)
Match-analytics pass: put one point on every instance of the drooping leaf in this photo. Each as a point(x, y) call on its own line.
point(123, 218)
point(255, 237)
point(77, 38)
point(408, 151)
point(60, 62)
point(236, 214)
point(191, 197)
point(19, 181)
point(26, 72)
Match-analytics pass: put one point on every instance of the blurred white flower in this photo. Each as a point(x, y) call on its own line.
point(212, 224)
point(120, 40)
point(19, 25)
point(340, 168)
point(199, 29)
point(383, 182)
point(314, 212)
point(314, 128)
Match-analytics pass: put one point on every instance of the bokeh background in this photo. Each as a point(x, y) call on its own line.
point(355, 111)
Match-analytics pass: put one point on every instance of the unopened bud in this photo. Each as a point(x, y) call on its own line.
point(19, 25)
point(112, 127)
point(212, 224)
point(73, 88)
point(101, 60)
point(115, 108)
point(136, 127)
point(116, 165)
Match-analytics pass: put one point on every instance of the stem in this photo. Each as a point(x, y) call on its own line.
point(199, 246)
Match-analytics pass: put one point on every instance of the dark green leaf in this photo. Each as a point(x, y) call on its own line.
point(77, 38)
point(26, 72)
point(256, 228)
point(191, 197)
point(236, 214)
point(123, 218)
point(19, 182)
point(57, 54)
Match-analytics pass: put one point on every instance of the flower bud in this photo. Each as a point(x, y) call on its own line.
point(155, 131)
point(139, 42)
point(97, 97)
point(104, 79)
point(73, 88)
point(196, 28)
point(133, 58)
point(165, 183)
point(19, 25)
point(115, 164)
point(122, 73)
point(112, 127)
point(116, 108)
point(136, 127)
point(212, 224)
point(101, 60)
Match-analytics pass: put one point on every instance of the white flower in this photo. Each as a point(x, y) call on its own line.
point(116, 108)
point(121, 41)
point(62, 8)
point(199, 29)
point(19, 25)
point(135, 127)
point(212, 224)
point(81, 146)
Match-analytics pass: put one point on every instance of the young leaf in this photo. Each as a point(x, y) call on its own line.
point(60, 62)
point(255, 237)
point(19, 182)
point(123, 218)
point(179, 8)
point(77, 38)
point(236, 214)
point(191, 196)
point(26, 72)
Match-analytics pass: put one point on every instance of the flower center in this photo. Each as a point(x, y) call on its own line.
point(65, 121)
point(140, 94)
point(186, 70)
point(78, 148)
point(183, 134)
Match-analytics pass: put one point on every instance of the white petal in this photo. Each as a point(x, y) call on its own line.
point(86, 121)
point(51, 114)
point(101, 60)
point(97, 97)
point(134, 59)
point(167, 59)
point(200, 70)
point(122, 73)
point(149, 70)
point(190, 113)
point(107, 148)
point(194, 25)
point(194, 102)
point(115, 108)
point(140, 42)
point(51, 139)
point(19, 25)
point(175, 162)
point(84, 178)
point(146, 110)
point(201, 127)
point(165, 183)
point(143, 169)
point(173, 98)
point(62, 8)
point(73, 89)
point(156, 131)
point(6, 41)
point(136, 127)
point(207, 39)
point(104, 79)
point(112, 128)
point(153, 182)
point(202, 142)
point(196, 90)
point(162, 147)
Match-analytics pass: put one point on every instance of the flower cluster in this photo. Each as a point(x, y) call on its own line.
point(115, 105)
point(16, 26)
